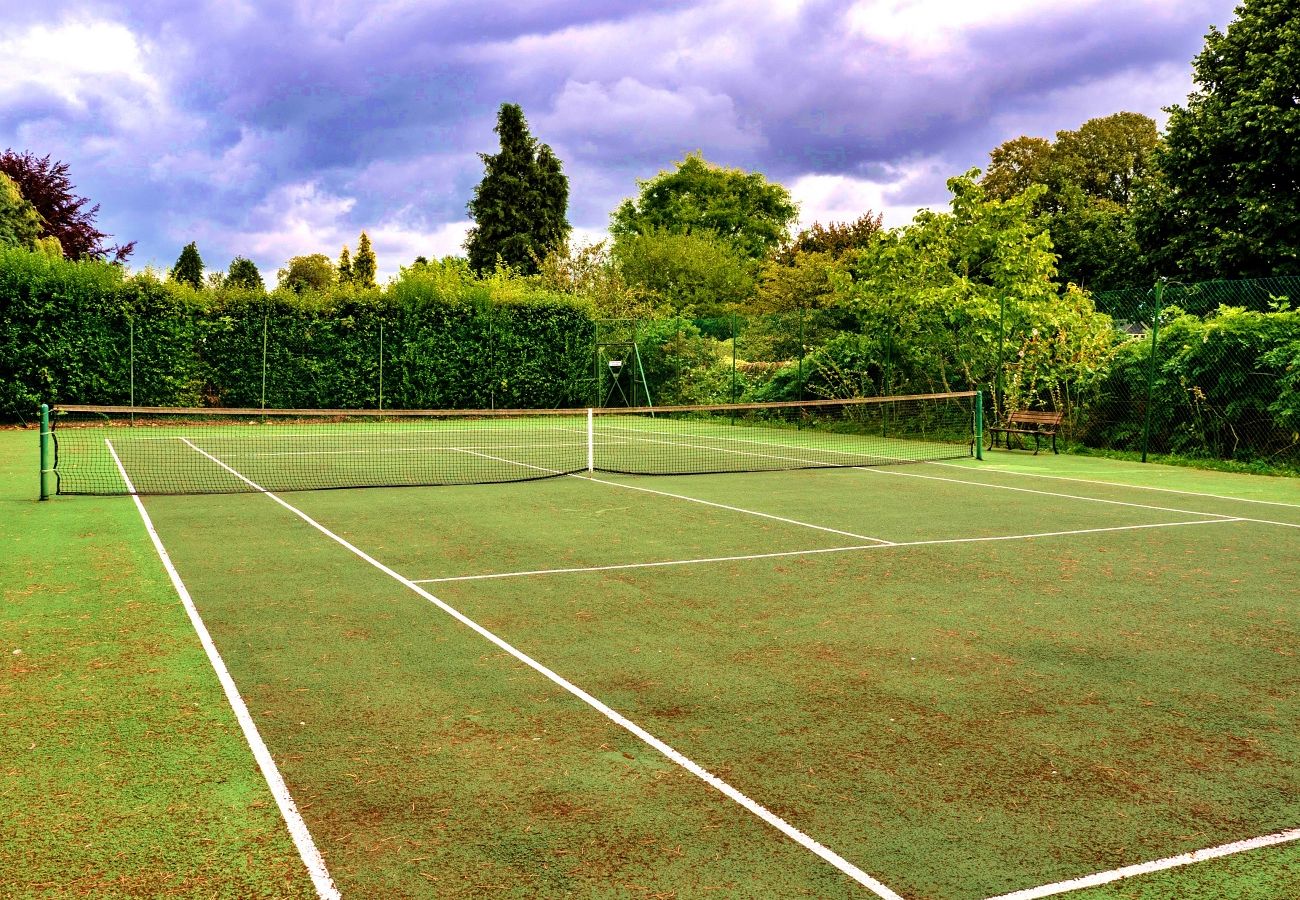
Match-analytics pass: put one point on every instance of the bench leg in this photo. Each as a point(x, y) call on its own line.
point(1035, 444)
point(1055, 452)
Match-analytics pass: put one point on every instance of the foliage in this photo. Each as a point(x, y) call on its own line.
point(20, 224)
point(365, 265)
point(1230, 200)
point(1089, 179)
point(243, 274)
point(588, 271)
point(1226, 387)
point(695, 274)
point(47, 186)
point(344, 267)
point(836, 239)
point(314, 272)
point(740, 207)
point(519, 207)
point(189, 267)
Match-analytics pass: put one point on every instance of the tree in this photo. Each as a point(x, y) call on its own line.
point(692, 274)
point(1088, 180)
point(345, 266)
point(64, 215)
point(314, 272)
point(243, 274)
point(1229, 204)
point(519, 207)
point(740, 207)
point(365, 265)
point(20, 224)
point(835, 240)
point(189, 267)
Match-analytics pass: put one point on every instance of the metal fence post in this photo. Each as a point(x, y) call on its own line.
point(1151, 368)
point(381, 364)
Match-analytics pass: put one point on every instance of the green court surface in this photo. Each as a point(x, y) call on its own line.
point(939, 680)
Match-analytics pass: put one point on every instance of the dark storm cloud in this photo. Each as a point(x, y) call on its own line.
point(260, 127)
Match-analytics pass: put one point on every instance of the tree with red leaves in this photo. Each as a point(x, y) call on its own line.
point(45, 184)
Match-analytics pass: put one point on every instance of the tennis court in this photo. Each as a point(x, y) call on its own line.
point(949, 679)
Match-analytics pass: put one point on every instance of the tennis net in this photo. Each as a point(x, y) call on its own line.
point(120, 450)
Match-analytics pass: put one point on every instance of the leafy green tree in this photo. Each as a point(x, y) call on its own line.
point(520, 205)
point(313, 272)
point(690, 274)
point(20, 224)
point(345, 266)
point(1089, 179)
point(1229, 203)
point(189, 267)
point(740, 207)
point(590, 272)
point(836, 239)
point(243, 273)
point(365, 265)
point(47, 186)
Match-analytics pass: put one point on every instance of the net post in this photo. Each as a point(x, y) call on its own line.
point(591, 440)
point(979, 424)
point(47, 457)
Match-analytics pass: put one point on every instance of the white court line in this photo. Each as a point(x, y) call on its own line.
point(1140, 487)
point(1009, 487)
point(302, 838)
point(784, 553)
point(1171, 862)
point(617, 718)
point(646, 490)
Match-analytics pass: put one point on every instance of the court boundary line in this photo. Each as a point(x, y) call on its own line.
point(646, 490)
point(293, 820)
point(1011, 487)
point(757, 809)
point(1120, 484)
point(1156, 865)
point(816, 551)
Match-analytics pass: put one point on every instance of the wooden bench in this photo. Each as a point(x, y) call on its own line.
point(1039, 424)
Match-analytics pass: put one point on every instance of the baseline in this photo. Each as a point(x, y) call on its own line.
point(293, 820)
point(815, 552)
point(1158, 865)
point(771, 818)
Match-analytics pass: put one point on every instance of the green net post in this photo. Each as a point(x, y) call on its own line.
point(47, 453)
point(1151, 369)
point(979, 424)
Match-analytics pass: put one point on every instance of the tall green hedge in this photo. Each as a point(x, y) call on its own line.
point(76, 332)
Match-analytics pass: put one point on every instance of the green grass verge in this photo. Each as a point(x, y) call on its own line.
point(125, 773)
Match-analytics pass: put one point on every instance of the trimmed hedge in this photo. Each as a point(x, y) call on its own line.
point(450, 340)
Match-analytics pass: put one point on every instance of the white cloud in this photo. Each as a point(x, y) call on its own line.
point(843, 198)
point(931, 28)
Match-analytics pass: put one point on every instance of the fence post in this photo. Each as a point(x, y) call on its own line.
point(47, 454)
point(801, 353)
point(266, 316)
point(1151, 368)
point(381, 364)
point(130, 326)
point(733, 357)
point(999, 403)
point(979, 424)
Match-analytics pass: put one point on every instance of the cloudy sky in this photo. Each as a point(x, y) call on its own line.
point(271, 128)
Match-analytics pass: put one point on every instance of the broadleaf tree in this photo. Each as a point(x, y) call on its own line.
point(64, 215)
point(20, 224)
point(313, 272)
point(1228, 205)
point(740, 207)
point(243, 273)
point(519, 208)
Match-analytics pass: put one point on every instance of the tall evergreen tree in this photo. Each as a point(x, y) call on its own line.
point(243, 273)
point(365, 265)
point(189, 267)
point(345, 266)
point(519, 208)
point(1229, 202)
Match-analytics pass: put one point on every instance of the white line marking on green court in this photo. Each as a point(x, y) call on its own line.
point(1122, 484)
point(1023, 490)
point(617, 718)
point(1171, 862)
point(784, 553)
point(302, 838)
point(646, 490)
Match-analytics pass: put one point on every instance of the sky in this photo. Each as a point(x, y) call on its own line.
point(273, 128)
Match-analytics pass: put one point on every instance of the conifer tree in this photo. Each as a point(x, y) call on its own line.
point(345, 266)
point(365, 265)
point(519, 207)
point(189, 267)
